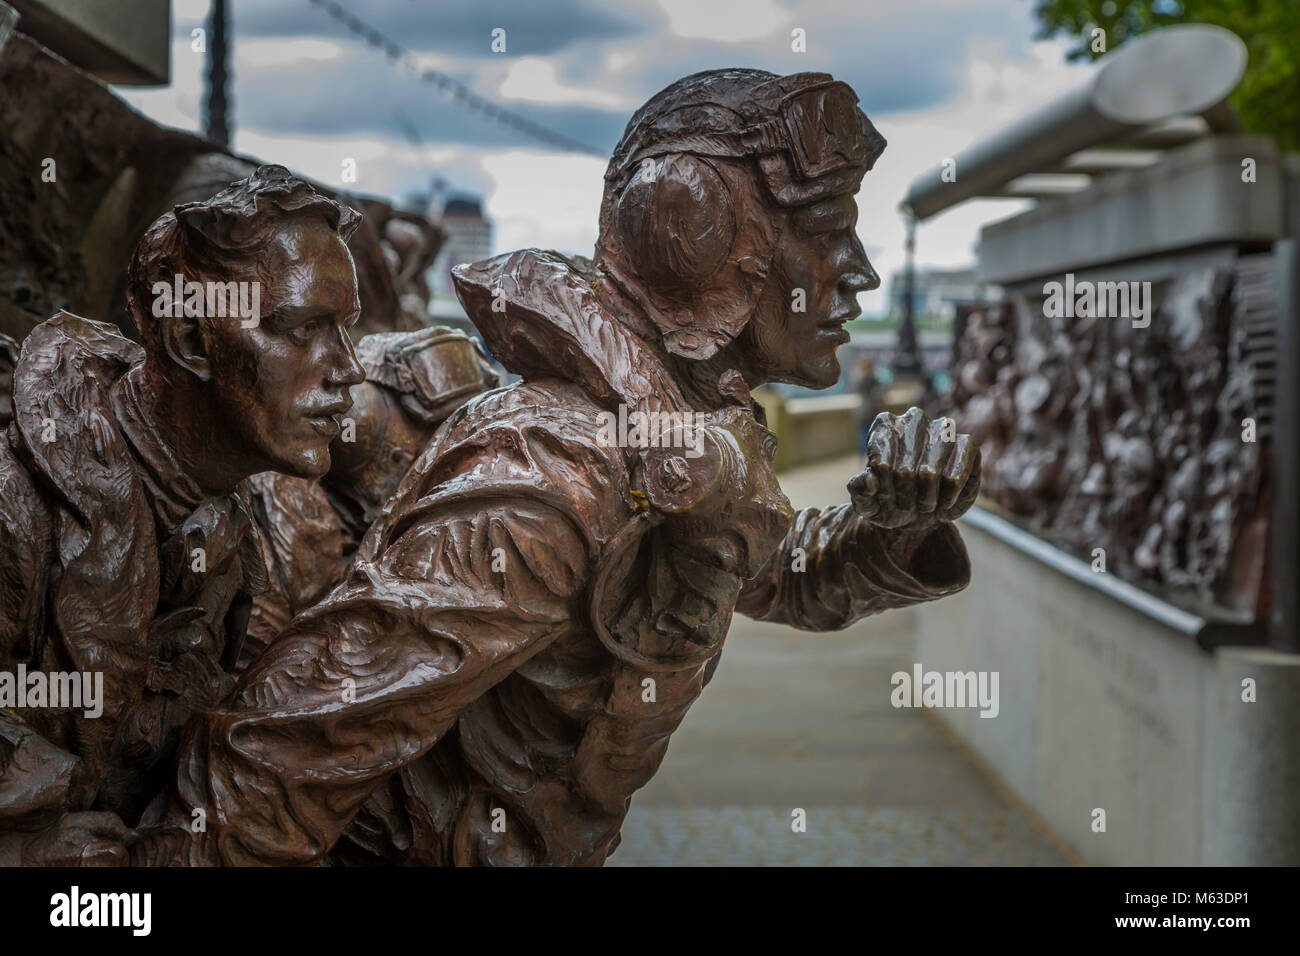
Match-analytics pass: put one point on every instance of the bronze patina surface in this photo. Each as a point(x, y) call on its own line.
point(548, 590)
point(68, 231)
point(126, 539)
point(311, 529)
point(1150, 444)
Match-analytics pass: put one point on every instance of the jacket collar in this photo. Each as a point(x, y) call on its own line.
point(541, 316)
point(62, 382)
point(104, 532)
point(173, 494)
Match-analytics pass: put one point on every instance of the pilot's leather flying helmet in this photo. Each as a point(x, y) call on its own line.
point(694, 193)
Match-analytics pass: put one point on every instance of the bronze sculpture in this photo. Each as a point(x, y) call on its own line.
point(69, 247)
point(8, 362)
point(1144, 452)
point(311, 529)
point(534, 610)
point(125, 536)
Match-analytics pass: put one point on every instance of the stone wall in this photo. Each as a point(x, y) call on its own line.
point(1110, 700)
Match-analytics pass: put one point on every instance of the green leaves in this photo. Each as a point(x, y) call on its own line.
point(1268, 99)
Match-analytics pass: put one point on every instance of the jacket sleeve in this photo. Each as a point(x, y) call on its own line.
point(835, 568)
point(301, 543)
point(35, 772)
point(479, 563)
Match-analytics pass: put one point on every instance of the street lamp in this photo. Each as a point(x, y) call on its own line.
point(907, 359)
point(217, 127)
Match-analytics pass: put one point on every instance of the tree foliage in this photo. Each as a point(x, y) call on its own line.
point(1268, 98)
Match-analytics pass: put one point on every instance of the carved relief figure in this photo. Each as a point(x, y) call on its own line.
point(539, 604)
point(1136, 443)
point(311, 529)
point(126, 542)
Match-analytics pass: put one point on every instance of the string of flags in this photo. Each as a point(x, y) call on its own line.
point(449, 84)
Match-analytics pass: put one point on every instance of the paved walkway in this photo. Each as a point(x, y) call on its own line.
point(794, 720)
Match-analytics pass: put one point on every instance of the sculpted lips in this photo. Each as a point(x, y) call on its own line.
point(325, 420)
point(328, 427)
point(833, 328)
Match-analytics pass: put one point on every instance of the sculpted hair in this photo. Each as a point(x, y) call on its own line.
point(221, 236)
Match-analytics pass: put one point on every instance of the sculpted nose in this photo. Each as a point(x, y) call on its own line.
point(346, 370)
point(862, 279)
point(861, 275)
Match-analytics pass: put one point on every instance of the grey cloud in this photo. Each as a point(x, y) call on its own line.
point(452, 26)
point(900, 58)
point(366, 95)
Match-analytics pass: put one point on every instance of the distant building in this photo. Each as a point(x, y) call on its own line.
point(469, 239)
point(937, 293)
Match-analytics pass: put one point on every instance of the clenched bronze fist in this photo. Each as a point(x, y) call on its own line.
point(88, 838)
point(914, 476)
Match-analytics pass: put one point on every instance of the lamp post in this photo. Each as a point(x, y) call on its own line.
point(907, 358)
point(217, 127)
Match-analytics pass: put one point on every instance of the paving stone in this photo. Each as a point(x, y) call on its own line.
point(793, 719)
point(835, 836)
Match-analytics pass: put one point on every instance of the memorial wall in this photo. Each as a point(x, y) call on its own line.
point(1136, 442)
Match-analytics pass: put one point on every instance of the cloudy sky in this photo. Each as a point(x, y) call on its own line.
point(933, 75)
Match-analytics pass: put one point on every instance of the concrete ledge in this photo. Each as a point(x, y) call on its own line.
point(124, 41)
point(811, 429)
point(1208, 629)
point(1145, 212)
point(1107, 704)
point(1253, 764)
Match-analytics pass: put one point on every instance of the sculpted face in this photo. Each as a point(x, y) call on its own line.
point(385, 442)
point(819, 253)
point(282, 386)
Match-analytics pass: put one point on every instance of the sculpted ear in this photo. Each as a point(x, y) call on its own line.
point(183, 340)
point(199, 220)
